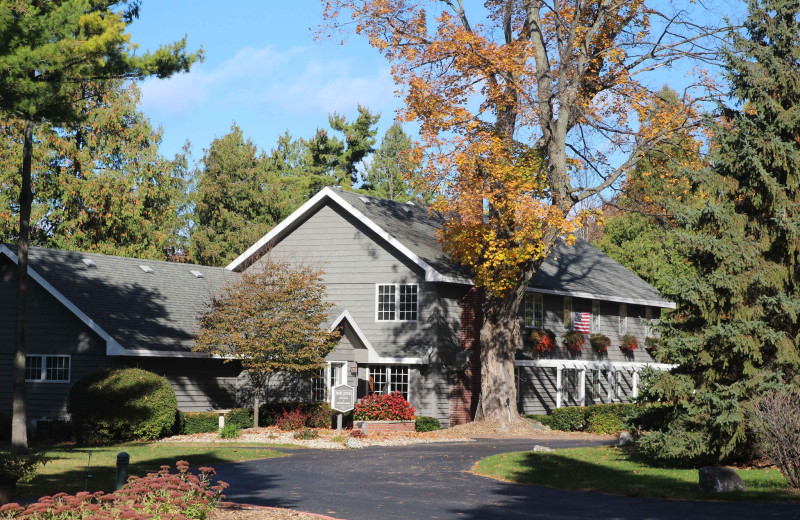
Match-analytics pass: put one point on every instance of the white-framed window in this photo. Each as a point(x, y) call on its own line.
point(648, 322)
point(595, 316)
point(397, 302)
point(47, 368)
point(319, 387)
point(623, 319)
point(534, 310)
point(570, 381)
point(567, 313)
point(337, 376)
point(384, 379)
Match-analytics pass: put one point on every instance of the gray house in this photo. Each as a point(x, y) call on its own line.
point(409, 317)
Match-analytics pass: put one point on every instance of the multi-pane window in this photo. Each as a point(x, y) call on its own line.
point(319, 390)
point(534, 310)
point(623, 319)
point(47, 368)
point(384, 379)
point(397, 302)
point(595, 316)
point(567, 313)
point(648, 322)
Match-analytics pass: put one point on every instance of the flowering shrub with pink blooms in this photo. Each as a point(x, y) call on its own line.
point(158, 496)
point(384, 407)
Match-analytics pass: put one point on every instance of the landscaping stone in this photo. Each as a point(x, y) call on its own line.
point(718, 479)
point(353, 444)
point(625, 438)
point(537, 426)
point(538, 448)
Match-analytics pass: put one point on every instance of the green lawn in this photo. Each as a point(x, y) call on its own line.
point(616, 470)
point(66, 469)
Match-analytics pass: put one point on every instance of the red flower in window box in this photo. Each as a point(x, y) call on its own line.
point(542, 341)
point(628, 343)
point(573, 340)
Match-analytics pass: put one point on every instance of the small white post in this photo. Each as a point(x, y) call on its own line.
point(635, 392)
point(582, 387)
point(558, 386)
point(611, 386)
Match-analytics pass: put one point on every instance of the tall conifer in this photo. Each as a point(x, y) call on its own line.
point(738, 326)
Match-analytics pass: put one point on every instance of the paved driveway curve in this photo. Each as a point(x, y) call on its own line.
point(430, 481)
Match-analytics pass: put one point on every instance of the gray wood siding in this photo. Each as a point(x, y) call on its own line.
point(354, 261)
point(51, 329)
point(608, 326)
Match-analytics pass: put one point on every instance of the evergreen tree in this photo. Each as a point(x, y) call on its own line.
point(737, 328)
point(230, 211)
point(392, 172)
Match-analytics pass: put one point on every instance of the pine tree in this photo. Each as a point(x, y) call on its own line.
point(230, 211)
point(737, 328)
point(392, 171)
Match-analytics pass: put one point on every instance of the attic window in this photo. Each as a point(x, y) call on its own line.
point(196, 274)
point(88, 262)
point(365, 200)
point(146, 268)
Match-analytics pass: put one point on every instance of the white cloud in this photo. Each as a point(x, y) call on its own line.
point(296, 81)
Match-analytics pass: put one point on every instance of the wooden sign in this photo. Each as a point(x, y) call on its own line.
point(344, 398)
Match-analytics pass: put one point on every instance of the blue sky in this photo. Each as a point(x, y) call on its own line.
point(263, 70)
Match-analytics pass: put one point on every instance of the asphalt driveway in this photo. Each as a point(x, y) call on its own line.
point(430, 481)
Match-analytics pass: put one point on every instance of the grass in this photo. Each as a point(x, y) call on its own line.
point(618, 471)
point(68, 466)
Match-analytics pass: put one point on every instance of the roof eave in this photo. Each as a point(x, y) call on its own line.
point(664, 304)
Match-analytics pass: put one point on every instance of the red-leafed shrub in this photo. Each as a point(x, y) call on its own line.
point(628, 343)
point(384, 407)
point(162, 495)
point(542, 341)
point(291, 420)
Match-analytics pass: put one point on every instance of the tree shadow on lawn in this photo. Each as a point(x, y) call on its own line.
point(568, 476)
point(75, 476)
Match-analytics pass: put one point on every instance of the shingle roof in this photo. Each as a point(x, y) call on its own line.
point(155, 311)
point(580, 270)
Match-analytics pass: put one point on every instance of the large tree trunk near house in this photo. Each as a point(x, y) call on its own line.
point(19, 431)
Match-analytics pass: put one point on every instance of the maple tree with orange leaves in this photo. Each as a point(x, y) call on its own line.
point(512, 99)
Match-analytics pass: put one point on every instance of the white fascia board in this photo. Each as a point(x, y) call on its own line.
point(620, 299)
point(592, 365)
point(431, 274)
point(112, 346)
point(372, 355)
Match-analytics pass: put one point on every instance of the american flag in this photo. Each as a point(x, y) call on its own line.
point(582, 322)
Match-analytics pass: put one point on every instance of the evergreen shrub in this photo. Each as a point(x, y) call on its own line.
point(423, 423)
point(241, 417)
point(117, 405)
point(230, 431)
point(200, 422)
point(568, 419)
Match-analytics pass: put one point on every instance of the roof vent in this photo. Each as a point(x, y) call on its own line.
point(89, 262)
point(146, 268)
point(408, 209)
point(365, 200)
point(196, 274)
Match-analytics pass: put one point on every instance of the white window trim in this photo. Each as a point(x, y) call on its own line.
point(325, 385)
point(568, 325)
point(397, 302)
point(531, 300)
point(594, 326)
point(388, 375)
point(44, 369)
point(623, 319)
point(648, 322)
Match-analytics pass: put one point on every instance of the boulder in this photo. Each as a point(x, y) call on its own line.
point(544, 449)
point(353, 444)
point(718, 479)
point(625, 438)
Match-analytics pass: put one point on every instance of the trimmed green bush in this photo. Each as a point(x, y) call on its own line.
point(122, 405)
point(241, 417)
point(200, 422)
point(230, 431)
point(605, 423)
point(568, 419)
point(423, 423)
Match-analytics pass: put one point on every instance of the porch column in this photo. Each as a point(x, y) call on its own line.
point(611, 386)
point(558, 386)
point(635, 392)
point(582, 386)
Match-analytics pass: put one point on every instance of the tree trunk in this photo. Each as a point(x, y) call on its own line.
point(19, 431)
point(255, 408)
point(499, 342)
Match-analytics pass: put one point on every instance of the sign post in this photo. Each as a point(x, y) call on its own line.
point(343, 400)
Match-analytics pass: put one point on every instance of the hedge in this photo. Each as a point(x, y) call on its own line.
point(423, 423)
point(597, 418)
point(122, 405)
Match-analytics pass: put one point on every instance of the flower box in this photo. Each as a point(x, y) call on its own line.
point(384, 426)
